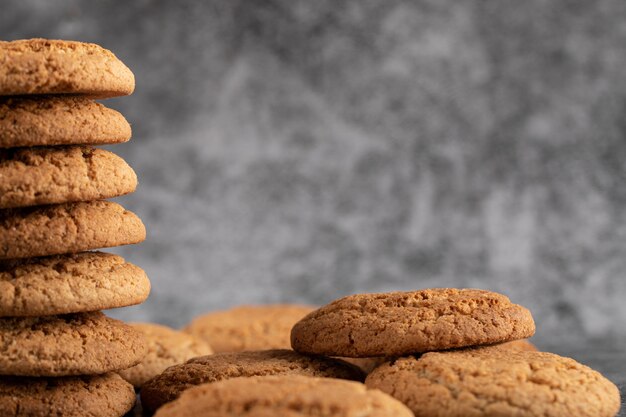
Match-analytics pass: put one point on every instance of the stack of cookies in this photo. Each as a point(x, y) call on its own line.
point(451, 354)
point(58, 352)
point(439, 352)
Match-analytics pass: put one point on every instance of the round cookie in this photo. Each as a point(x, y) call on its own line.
point(95, 396)
point(51, 175)
point(166, 347)
point(401, 323)
point(285, 395)
point(248, 327)
point(73, 344)
point(170, 384)
point(46, 66)
point(491, 381)
point(64, 284)
point(59, 120)
point(67, 228)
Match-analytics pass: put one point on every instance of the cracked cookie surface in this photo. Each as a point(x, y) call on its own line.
point(285, 395)
point(95, 396)
point(72, 344)
point(401, 323)
point(65, 284)
point(166, 347)
point(52, 175)
point(67, 228)
point(496, 381)
point(59, 120)
point(47, 66)
point(170, 384)
point(251, 327)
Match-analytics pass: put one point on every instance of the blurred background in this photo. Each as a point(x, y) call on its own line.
point(299, 151)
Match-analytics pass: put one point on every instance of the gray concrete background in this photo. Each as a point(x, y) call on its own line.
point(295, 150)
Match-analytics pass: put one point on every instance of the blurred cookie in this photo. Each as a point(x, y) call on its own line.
point(170, 384)
point(248, 327)
point(64, 284)
point(59, 120)
point(166, 347)
point(491, 381)
point(95, 396)
point(50, 175)
point(66, 228)
point(285, 395)
point(46, 66)
point(73, 344)
point(400, 323)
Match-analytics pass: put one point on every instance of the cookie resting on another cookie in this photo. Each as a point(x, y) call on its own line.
point(73, 344)
point(248, 327)
point(401, 323)
point(105, 395)
point(166, 347)
point(63, 284)
point(496, 382)
point(47, 66)
point(285, 395)
point(170, 384)
point(62, 174)
point(59, 120)
point(67, 228)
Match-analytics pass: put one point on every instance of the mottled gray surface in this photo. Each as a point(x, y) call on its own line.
point(294, 150)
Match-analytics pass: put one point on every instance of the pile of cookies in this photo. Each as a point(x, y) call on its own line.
point(58, 352)
point(438, 352)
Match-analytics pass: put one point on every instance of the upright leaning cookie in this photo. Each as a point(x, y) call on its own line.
point(286, 395)
point(73, 344)
point(51, 175)
point(95, 396)
point(64, 284)
point(496, 382)
point(59, 120)
point(248, 327)
point(170, 384)
point(67, 228)
point(44, 66)
point(400, 323)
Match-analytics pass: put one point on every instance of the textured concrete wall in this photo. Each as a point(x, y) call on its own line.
point(294, 150)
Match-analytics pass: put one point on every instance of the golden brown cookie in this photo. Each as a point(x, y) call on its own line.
point(248, 327)
point(87, 281)
point(170, 384)
point(166, 347)
point(491, 381)
point(67, 228)
point(73, 344)
point(95, 396)
point(284, 395)
point(400, 323)
point(59, 120)
point(62, 174)
point(46, 66)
